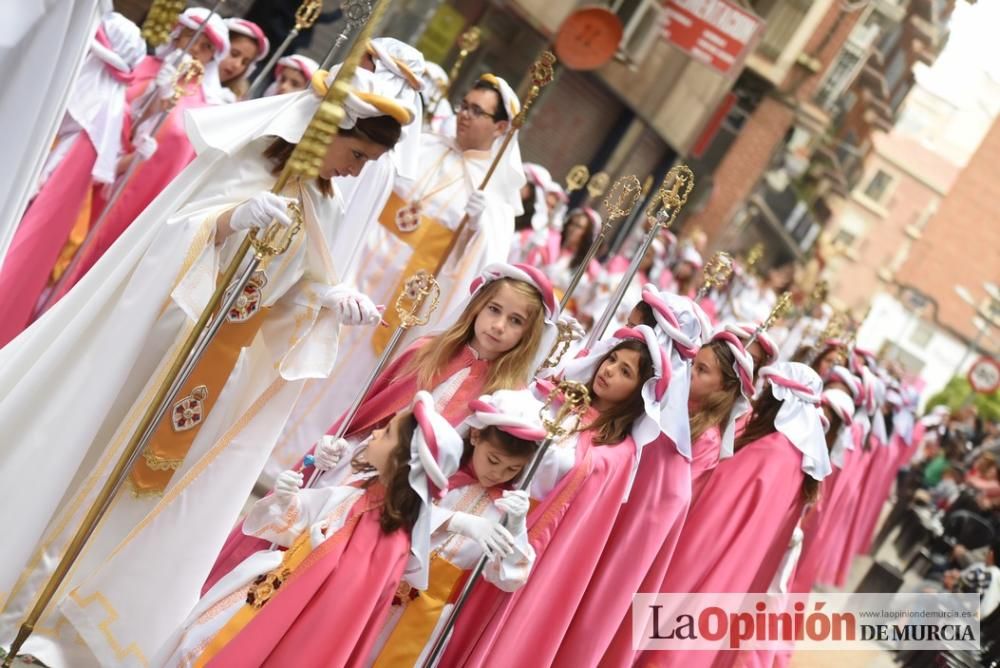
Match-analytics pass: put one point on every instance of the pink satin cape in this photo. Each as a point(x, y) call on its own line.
point(329, 613)
point(41, 235)
point(635, 559)
point(737, 531)
point(392, 392)
point(568, 529)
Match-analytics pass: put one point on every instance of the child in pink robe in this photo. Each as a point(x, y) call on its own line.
point(322, 601)
point(583, 482)
point(170, 151)
point(739, 529)
point(457, 366)
point(77, 169)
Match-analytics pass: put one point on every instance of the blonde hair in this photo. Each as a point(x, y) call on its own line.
point(511, 370)
point(718, 406)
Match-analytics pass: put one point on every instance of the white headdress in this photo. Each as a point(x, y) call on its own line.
point(229, 129)
point(254, 32)
point(97, 99)
point(435, 455)
point(743, 366)
point(516, 412)
point(841, 403)
point(679, 327)
point(798, 389)
point(654, 421)
point(399, 71)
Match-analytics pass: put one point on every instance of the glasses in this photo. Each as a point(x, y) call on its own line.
point(474, 110)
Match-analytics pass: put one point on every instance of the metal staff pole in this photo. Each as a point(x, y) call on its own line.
point(467, 42)
point(305, 17)
point(420, 288)
point(356, 14)
point(303, 163)
point(669, 199)
point(190, 72)
point(576, 401)
point(179, 58)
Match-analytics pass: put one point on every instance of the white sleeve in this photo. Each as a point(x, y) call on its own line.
point(556, 463)
point(281, 518)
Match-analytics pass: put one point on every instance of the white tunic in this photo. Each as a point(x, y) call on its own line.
point(109, 343)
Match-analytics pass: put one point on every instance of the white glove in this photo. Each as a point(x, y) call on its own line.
point(495, 541)
point(145, 147)
point(576, 330)
point(258, 212)
point(167, 74)
point(329, 452)
point(288, 483)
point(474, 208)
point(516, 504)
point(352, 307)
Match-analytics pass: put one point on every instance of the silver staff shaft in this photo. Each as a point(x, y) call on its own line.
point(356, 13)
point(260, 78)
point(383, 361)
point(92, 233)
point(180, 57)
point(616, 298)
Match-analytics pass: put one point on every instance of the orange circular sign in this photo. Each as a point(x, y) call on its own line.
point(588, 38)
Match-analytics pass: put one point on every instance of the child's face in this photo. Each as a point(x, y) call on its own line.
point(618, 377)
point(706, 376)
point(291, 80)
point(382, 443)
point(491, 464)
point(202, 51)
point(501, 323)
point(635, 317)
point(242, 51)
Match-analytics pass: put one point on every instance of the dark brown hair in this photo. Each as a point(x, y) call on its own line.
point(402, 504)
point(511, 445)
point(646, 313)
point(615, 424)
point(588, 237)
point(761, 423)
point(501, 112)
point(718, 406)
point(382, 130)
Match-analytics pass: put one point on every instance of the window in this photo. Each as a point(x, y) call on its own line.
point(783, 21)
point(844, 239)
point(878, 186)
point(838, 78)
point(642, 21)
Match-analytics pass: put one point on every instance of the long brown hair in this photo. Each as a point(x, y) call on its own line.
point(509, 371)
point(382, 130)
point(588, 238)
point(718, 406)
point(761, 423)
point(615, 424)
point(402, 504)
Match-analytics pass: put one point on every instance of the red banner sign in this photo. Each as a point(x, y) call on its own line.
point(716, 32)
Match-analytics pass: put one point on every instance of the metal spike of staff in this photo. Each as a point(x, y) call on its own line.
point(717, 271)
point(779, 310)
point(188, 74)
point(305, 18)
point(304, 163)
point(663, 209)
point(619, 203)
point(356, 14)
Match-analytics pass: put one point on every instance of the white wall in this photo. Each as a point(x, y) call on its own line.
point(890, 321)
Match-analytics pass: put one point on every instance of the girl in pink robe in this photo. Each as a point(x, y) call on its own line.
point(171, 149)
point(77, 169)
point(739, 529)
point(648, 525)
point(583, 484)
point(457, 365)
point(323, 601)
